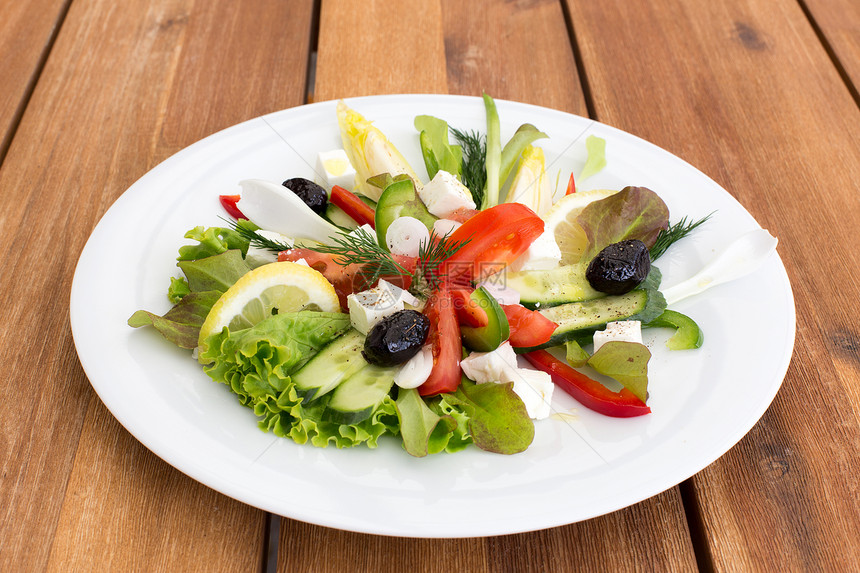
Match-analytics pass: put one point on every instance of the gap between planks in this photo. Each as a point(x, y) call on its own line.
point(6, 142)
point(831, 53)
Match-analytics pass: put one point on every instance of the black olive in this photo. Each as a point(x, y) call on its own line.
point(396, 338)
point(312, 194)
point(620, 267)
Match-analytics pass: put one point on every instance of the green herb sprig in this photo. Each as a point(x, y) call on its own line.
point(474, 147)
point(673, 234)
point(248, 231)
point(359, 247)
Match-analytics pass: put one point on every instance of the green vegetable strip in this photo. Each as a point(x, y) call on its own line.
point(526, 135)
point(494, 154)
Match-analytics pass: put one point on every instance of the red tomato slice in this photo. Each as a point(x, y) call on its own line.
point(528, 327)
point(347, 279)
point(462, 214)
point(497, 236)
point(469, 312)
point(444, 338)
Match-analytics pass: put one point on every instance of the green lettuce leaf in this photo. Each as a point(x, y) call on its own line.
point(418, 424)
point(575, 355)
point(211, 241)
point(596, 161)
point(178, 288)
point(626, 362)
point(498, 421)
point(438, 152)
point(632, 213)
point(181, 324)
point(218, 272)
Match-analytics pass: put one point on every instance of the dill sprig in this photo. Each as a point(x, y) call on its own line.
point(474, 170)
point(248, 231)
point(359, 247)
point(673, 234)
point(431, 254)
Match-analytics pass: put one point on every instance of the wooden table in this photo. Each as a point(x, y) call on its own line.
point(762, 95)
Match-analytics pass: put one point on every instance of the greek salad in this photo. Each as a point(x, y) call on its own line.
point(442, 310)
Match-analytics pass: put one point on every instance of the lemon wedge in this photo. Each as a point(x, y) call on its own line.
point(271, 289)
point(561, 222)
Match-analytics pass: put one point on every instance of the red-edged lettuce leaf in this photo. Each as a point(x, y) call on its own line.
point(181, 324)
point(632, 213)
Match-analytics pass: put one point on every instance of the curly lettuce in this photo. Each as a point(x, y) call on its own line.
point(257, 364)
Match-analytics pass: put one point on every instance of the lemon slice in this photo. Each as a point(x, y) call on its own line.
point(561, 222)
point(271, 289)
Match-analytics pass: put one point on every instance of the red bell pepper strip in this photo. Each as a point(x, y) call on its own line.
point(444, 339)
point(352, 205)
point(590, 393)
point(229, 204)
point(571, 186)
point(528, 327)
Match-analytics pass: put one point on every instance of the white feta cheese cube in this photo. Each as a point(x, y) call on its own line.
point(335, 169)
point(368, 307)
point(622, 331)
point(398, 293)
point(366, 228)
point(542, 255)
point(535, 390)
point(415, 371)
point(483, 367)
point(445, 194)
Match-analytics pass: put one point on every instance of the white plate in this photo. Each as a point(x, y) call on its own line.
point(578, 467)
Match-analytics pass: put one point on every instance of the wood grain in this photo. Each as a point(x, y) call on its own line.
point(520, 51)
point(642, 537)
point(377, 47)
point(839, 24)
point(26, 32)
point(720, 88)
point(124, 86)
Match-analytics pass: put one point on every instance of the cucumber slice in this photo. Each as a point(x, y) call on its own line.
point(338, 216)
point(577, 320)
point(542, 289)
point(337, 361)
point(356, 398)
point(687, 335)
point(487, 338)
point(399, 200)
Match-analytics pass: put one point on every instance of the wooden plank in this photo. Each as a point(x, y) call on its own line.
point(76, 491)
point(26, 32)
point(647, 536)
point(376, 47)
point(838, 22)
point(745, 91)
point(518, 51)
